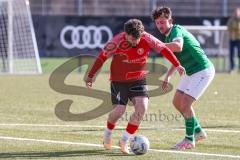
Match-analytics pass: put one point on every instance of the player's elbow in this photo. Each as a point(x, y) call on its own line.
point(178, 48)
point(175, 47)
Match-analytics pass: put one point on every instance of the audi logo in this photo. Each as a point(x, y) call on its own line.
point(85, 36)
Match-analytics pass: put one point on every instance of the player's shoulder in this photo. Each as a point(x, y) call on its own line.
point(177, 30)
point(146, 34)
point(151, 40)
point(148, 37)
point(119, 37)
point(112, 45)
point(177, 27)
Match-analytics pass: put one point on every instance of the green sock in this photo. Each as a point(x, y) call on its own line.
point(198, 128)
point(190, 128)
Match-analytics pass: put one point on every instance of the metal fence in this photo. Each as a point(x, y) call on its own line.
point(185, 8)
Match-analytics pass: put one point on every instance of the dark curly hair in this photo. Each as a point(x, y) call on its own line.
point(164, 12)
point(134, 27)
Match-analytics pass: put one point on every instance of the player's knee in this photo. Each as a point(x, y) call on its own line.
point(187, 102)
point(186, 111)
point(176, 103)
point(120, 111)
point(141, 106)
point(141, 110)
point(185, 107)
point(137, 116)
point(117, 112)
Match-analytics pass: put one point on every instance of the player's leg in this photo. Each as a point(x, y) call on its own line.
point(187, 111)
point(177, 100)
point(231, 57)
point(180, 96)
point(238, 55)
point(196, 87)
point(119, 100)
point(140, 106)
point(113, 117)
point(139, 96)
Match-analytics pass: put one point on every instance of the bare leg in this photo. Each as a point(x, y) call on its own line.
point(116, 113)
point(140, 106)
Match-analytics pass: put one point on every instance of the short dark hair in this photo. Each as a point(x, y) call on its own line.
point(134, 27)
point(164, 12)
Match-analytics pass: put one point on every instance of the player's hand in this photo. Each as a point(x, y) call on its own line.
point(181, 70)
point(89, 82)
point(165, 83)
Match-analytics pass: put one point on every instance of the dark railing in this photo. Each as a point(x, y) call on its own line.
point(208, 8)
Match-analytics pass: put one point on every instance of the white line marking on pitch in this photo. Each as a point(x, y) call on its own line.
point(216, 130)
point(98, 145)
point(118, 127)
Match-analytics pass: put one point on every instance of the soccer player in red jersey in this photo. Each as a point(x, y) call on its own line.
point(129, 51)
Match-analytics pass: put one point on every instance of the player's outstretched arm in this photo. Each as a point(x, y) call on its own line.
point(89, 82)
point(169, 74)
point(175, 46)
point(95, 68)
point(160, 47)
point(106, 52)
point(181, 70)
point(168, 54)
point(168, 77)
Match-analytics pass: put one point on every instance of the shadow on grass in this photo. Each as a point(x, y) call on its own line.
point(157, 128)
point(103, 129)
point(222, 126)
point(59, 154)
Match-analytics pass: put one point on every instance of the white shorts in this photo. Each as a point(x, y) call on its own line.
point(197, 83)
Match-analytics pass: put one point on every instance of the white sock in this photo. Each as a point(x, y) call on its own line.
point(125, 136)
point(108, 132)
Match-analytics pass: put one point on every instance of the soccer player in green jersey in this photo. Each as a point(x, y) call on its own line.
point(200, 72)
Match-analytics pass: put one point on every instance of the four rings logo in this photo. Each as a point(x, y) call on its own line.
point(85, 36)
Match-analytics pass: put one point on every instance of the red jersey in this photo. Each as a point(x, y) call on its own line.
point(128, 63)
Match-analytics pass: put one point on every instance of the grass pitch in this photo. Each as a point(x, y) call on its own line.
point(27, 105)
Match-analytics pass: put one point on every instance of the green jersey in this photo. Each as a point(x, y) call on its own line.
point(192, 57)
